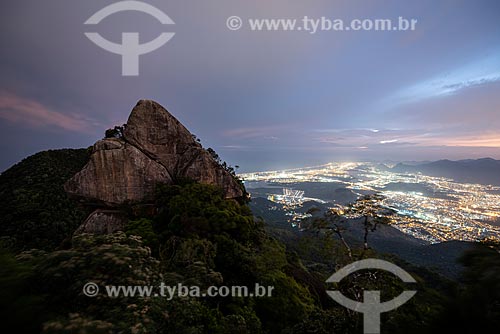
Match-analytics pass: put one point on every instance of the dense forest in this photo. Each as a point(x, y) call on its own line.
point(195, 236)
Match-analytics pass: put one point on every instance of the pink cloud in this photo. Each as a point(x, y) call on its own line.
point(17, 109)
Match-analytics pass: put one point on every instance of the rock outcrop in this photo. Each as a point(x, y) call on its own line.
point(103, 222)
point(117, 173)
point(154, 148)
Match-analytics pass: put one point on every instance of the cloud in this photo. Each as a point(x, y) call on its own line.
point(483, 71)
point(488, 140)
point(267, 133)
point(388, 141)
point(443, 137)
point(234, 147)
point(18, 109)
point(367, 138)
point(360, 130)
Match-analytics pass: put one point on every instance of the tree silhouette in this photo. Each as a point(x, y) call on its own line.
point(373, 213)
point(330, 221)
point(116, 132)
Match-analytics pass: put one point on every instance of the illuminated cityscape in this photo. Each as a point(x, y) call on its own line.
point(434, 209)
point(289, 197)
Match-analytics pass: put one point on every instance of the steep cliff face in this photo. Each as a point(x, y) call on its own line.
point(116, 173)
point(164, 139)
point(155, 148)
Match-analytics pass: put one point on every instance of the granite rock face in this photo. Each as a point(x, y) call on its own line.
point(103, 222)
point(154, 148)
point(164, 139)
point(117, 173)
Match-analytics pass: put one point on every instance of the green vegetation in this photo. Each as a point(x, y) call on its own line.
point(116, 132)
point(476, 304)
point(55, 280)
point(194, 236)
point(228, 168)
point(197, 238)
point(35, 211)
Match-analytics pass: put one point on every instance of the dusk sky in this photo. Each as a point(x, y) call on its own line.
point(262, 99)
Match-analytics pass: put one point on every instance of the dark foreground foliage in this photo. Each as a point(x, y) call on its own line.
point(194, 236)
point(35, 211)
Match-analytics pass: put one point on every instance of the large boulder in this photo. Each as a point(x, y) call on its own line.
point(117, 173)
point(155, 148)
point(103, 222)
point(162, 137)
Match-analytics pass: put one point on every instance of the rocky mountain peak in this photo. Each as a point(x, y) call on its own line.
point(154, 148)
point(154, 130)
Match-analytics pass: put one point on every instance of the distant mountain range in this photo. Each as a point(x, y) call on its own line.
point(483, 171)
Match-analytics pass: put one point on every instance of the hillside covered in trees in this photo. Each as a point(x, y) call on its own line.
point(195, 236)
point(35, 210)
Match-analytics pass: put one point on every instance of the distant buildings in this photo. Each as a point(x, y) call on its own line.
point(290, 197)
point(438, 209)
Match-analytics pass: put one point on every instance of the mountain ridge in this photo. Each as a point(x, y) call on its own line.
point(152, 148)
point(484, 170)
